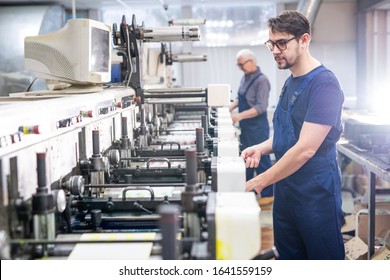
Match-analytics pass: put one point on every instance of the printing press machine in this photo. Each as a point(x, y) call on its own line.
point(91, 170)
point(127, 172)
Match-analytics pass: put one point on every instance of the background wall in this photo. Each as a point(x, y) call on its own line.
point(333, 43)
point(16, 22)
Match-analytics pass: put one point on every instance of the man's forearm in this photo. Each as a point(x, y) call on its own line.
point(248, 114)
point(233, 105)
point(265, 147)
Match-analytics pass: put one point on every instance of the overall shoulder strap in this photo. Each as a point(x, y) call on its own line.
point(305, 83)
point(252, 81)
point(284, 86)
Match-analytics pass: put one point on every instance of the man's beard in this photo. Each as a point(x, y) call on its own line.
point(281, 65)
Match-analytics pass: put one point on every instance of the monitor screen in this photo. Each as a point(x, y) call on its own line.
point(100, 60)
point(79, 53)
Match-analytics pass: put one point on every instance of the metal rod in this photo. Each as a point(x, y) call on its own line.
point(191, 108)
point(174, 90)
point(371, 215)
point(199, 140)
point(169, 228)
point(144, 159)
point(192, 171)
point(41, 170)
point(124, 126)
point(96, 142)
point(172, 95)
point(136, 185)
point(205, 124)
point(59, 242)
point(175, 100)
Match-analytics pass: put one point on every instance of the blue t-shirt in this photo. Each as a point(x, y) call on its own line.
point(321, 102)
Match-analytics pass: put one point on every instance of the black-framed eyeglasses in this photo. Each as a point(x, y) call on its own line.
point(242, 64)
point(281, 44)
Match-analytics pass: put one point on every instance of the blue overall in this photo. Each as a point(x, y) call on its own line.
point(254, 131)
point(307, 214)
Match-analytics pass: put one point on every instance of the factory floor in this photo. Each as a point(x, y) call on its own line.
point(267, 236)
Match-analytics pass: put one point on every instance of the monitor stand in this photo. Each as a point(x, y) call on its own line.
point(60, 89)
point(64, 87)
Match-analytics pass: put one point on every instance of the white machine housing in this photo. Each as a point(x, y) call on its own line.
point(228, 173)
point(237, 219)
point(218, 95)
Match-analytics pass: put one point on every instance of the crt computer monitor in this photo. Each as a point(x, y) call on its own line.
point(79, 53)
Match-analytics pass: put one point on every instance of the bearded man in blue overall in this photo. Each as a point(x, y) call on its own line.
point(252, 103)
point(307, 214)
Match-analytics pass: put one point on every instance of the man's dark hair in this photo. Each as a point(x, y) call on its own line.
point(291, 22)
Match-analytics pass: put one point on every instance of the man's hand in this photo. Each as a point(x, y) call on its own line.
point(251, 186)
point(251, 156)
point(235, 118)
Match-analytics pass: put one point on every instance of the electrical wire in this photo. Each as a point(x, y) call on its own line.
point(30, 85)
point(129, 62)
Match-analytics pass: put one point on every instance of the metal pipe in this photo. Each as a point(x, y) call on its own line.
point(187, 21)
point(125, 143)
point(174, 90)
point(187, 108)
point(205, 124)
point(124, 126)
point(41, 170)
point(169, 229)
point(174, 100)
point(43, 207)
point(189, 57)
point(95, 143)
point(179, 95)
point(191, 167)
point(170, 34)
point(309, 8)
point(135, 185)
point(199, 140)
point(124, 191)
point(144, 159)
point(73, 9)
point(23, 242)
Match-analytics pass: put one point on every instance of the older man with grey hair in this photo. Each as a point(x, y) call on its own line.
point(252, 103)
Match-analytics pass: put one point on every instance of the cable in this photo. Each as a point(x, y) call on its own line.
point(29, 87)
point(123, 53)
point(130, 63)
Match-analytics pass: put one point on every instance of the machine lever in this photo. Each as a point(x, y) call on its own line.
point(156, 160)
point(124, 191)
point(139, 206)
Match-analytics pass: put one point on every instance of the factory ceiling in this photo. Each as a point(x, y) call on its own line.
point(120, 4)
